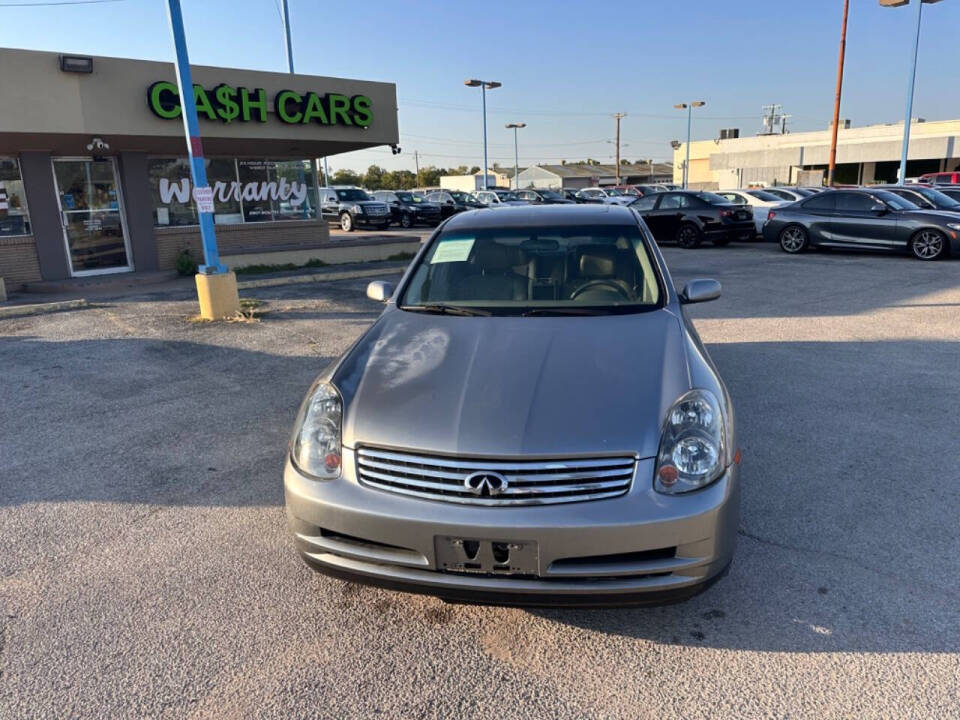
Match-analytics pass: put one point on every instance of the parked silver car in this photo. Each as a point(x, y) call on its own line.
point(532, 420)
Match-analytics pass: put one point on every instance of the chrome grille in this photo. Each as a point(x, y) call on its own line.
point(528, 482)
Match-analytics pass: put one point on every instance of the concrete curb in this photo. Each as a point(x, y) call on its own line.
point(319, 277)
point(41, 308)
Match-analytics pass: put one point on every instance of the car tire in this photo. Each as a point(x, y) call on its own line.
point(688, 236)
point(346, 222)
point(793, 239)
point(406, 222)
point(928, 244)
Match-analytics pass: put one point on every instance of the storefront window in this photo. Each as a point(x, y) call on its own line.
point(14, 219)
point(246, 190)
point(171, 188)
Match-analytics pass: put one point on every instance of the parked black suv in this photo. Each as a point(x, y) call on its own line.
point(407, 209)
point(352, 208)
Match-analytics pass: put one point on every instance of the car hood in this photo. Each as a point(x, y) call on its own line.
point(513, 386)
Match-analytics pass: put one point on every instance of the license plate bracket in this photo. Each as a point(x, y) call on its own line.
point(481, 556)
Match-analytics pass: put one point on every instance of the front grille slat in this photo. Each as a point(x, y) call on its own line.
point(528, 482)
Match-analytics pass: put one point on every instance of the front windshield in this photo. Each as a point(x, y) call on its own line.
point(409, 197)
point(549, 195)
point(938, 198)
point(505, 195)
point(462, 196)
point(895, 201)
point(390, 197)
point(352, 195)
point(559, 270)
point(614, 192)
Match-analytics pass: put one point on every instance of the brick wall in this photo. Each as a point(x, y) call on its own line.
point(233, 239)
point(18, 261)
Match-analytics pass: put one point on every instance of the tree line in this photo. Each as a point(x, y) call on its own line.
point(376, 178)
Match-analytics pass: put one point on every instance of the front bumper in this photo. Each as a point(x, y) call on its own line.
point(641, 547)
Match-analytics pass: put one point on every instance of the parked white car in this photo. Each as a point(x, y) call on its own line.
point(760, 202)
point(498, 198)
point(610, 196)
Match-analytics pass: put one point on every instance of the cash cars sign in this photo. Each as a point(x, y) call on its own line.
point(239, 104)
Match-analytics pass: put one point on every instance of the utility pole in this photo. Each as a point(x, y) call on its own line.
point(416, 162)
point(216, 286)
point(618, 117)
point(836, 102)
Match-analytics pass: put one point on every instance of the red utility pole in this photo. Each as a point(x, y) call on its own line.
point(836, 102)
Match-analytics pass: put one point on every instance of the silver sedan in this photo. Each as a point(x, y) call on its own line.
point(532, 420)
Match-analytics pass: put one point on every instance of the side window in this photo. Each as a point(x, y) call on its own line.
point(673, 202)
point(854, 202)
point(734, 198)
point(823, 201)
point(645, 203)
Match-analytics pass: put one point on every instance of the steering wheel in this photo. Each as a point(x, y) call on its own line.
point(609, 284)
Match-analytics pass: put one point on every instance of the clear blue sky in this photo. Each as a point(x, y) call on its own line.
point(565, 65)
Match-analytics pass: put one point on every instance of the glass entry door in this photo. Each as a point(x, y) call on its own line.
point(91, 215)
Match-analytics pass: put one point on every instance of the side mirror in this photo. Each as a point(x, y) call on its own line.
point(379, 290)
point(698, 291)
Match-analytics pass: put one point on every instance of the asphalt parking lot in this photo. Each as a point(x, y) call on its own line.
point(147, 571)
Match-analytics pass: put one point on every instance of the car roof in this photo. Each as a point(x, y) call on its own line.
point(532, 216)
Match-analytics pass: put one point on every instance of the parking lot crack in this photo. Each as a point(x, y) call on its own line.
point(848, 559)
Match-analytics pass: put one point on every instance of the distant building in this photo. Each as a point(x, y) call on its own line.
point(580, 175)
point(864, 155)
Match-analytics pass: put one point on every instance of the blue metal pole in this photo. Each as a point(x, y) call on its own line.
point(191, 129)
point(286, 32)
point(686, 163)
point(483, 94)
point(913, 79)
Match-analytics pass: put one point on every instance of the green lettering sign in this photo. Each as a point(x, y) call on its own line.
point(361, 110)
point(227, 104)
point(163, 99)
point(227, 107)
point(282, 103)
point(247, 104)
point(313, 110)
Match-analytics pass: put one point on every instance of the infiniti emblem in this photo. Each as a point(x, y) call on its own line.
point(485, 483)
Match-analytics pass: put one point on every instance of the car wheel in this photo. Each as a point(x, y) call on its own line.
point(794, 239)
point(688, 236)
point(406, 222)
point(928, 245)
point(346, 221)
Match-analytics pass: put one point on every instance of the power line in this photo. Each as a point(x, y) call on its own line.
point(60, 3)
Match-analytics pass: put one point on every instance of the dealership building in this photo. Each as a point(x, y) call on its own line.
point(865, 155)
point(94, 176)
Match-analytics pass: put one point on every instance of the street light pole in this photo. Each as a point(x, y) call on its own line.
point(689, 108)
point(516, 154)
point(912, 83)
point(216, 286)
point(913, 80)
point(836, 100)
point(484, 85)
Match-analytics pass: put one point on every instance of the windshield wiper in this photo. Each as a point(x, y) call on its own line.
point(565, 311)
point(439, 309)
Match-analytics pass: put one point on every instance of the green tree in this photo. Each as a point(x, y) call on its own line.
point(346, 177)
point(474, 170)
point(430, 175)
point(373, 178)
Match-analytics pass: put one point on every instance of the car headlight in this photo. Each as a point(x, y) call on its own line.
point(357, 208)
point(693, 450)
point(953, 226)
point(316, 448)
